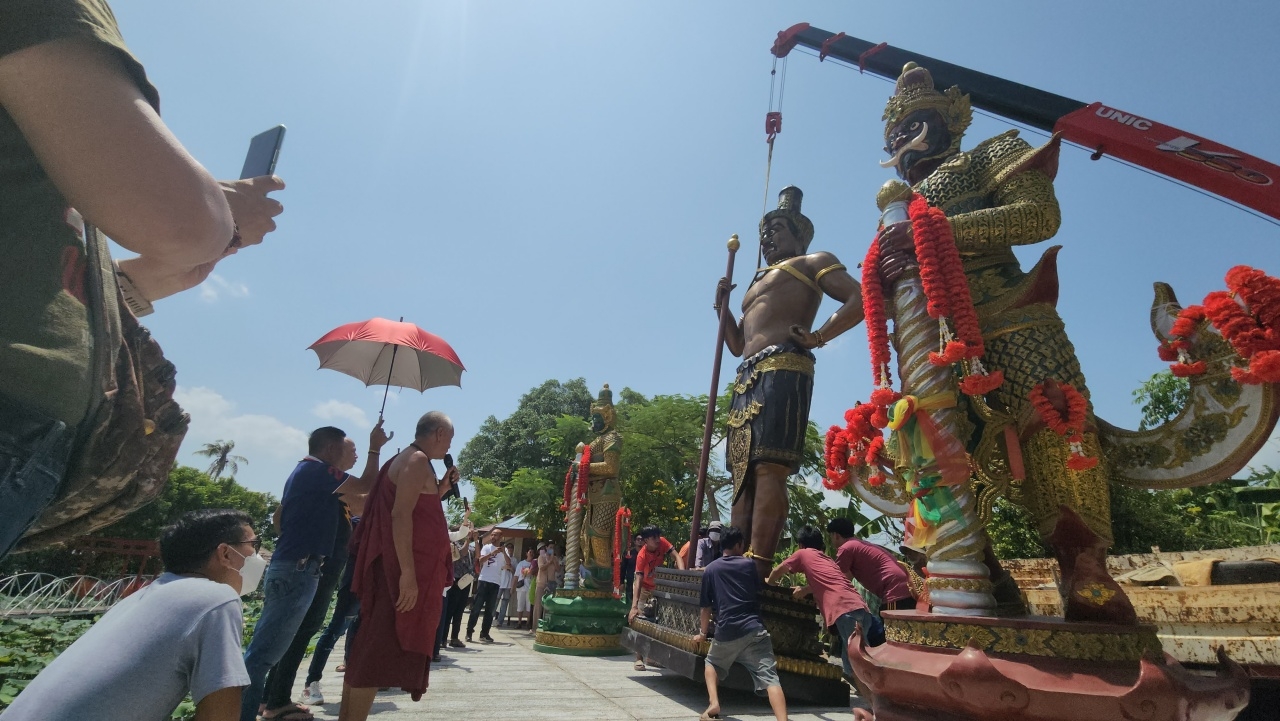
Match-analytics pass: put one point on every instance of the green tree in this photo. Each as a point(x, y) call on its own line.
point(499, 448)
point(222, 457)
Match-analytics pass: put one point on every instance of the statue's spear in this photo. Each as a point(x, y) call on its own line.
point(573, 531)
point(709, 424)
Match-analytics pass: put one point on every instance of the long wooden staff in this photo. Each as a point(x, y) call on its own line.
point(709, 425)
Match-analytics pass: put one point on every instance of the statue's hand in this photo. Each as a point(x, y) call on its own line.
point(723, 288)
point(804, 338)
point(897, 253)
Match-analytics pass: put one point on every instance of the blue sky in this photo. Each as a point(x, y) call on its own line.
point(549, 185)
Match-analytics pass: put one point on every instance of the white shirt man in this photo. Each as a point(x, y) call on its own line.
point(493, 556)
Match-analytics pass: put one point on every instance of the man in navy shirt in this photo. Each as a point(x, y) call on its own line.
point(311, 512)
point(731, 587)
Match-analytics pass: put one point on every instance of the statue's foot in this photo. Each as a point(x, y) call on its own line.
point(1089, 592)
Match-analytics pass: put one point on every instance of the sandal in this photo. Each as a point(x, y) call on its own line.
point(710, 717)
point(639, 666)
point(292, 712)
point(342, 668)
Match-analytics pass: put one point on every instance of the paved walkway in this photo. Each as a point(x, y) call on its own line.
point(509, 680)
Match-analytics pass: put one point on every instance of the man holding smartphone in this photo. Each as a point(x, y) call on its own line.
point(493, 559)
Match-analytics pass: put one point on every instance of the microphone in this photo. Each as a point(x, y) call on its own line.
point(453, 491)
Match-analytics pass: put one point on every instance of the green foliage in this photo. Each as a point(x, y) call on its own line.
point(1162, 396)
point(222, 458)
point(28, 645)
point(1013, 534)
point(188, 489)
point(499, 448)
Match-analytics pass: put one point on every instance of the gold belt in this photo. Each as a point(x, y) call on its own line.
point(776, 362)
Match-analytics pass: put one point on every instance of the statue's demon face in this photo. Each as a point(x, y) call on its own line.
point(778, 241)
point(922, 135)
point(601, 418)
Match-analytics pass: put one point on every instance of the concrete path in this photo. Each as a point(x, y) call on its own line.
point(509, 680)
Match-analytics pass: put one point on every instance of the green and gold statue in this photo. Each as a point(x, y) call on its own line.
point(604, 495)
point(586, 616)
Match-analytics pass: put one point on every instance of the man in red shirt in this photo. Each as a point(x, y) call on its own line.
point(840, 604)
point(651, 555)
point(872, 566)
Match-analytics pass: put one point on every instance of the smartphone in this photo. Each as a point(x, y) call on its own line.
point(264, 151)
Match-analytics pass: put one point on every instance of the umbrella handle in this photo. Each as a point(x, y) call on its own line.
point(390, 368)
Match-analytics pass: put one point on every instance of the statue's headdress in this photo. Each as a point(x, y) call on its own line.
point(789, 201)
point(915, 91)
point(604, 406)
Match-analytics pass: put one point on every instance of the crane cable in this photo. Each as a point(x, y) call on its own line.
point(772, 126)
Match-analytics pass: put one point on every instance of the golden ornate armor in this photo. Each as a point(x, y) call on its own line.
point(604, 495)
point(996, 196)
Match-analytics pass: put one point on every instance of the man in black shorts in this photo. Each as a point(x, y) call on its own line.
point(731, 586)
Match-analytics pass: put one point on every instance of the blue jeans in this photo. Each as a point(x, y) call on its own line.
point(33, 459)
point(344, 612)
point(288, 588)
point(504, 602)
point(872, 633)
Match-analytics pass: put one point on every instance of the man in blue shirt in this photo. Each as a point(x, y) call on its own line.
point(731, 587)
point(310, 514)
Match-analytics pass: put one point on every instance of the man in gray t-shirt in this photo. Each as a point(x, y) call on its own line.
point(179, 635)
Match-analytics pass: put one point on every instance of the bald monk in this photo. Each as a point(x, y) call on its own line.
point(402, 569)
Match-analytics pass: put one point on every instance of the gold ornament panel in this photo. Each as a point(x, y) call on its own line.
point(1064, 643)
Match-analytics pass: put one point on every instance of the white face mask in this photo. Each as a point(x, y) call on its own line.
point(714, 536)
point(251, 572)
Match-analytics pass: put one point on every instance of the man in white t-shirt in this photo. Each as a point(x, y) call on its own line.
point(521, 580)
point(492, 557)
point(179, 635)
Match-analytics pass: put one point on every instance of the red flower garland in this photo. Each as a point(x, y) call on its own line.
point(1248, 317)
point(568, 487)
point(1071, 426)
point(621, 520)
point(584, 475)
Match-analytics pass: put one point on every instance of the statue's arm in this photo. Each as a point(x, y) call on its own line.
point(1026, 212)
point(734, 337)
point(608, 468)
point(841, 286)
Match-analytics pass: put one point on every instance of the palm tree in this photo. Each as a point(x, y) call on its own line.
point(222, 457)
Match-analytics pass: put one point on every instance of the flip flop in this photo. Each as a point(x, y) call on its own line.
point(639, 666)
point(292, 712)
point(710, 717)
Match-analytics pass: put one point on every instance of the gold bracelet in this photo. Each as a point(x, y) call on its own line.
point(821, 341)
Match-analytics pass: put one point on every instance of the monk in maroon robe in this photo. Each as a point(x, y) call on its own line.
point(402, 568)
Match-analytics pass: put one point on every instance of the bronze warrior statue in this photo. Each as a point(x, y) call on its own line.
point(604, 494)
point(774, 384)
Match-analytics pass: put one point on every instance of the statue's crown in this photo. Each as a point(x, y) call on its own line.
point(606, 396)
point(915, 91)
point(789, 201)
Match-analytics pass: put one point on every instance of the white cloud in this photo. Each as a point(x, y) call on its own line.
point(215, 286)
point(335, 410)
point(213, 418)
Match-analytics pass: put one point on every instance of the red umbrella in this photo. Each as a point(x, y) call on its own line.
point(369, 350)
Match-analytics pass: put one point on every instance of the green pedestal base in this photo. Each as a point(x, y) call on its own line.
point(582, 623)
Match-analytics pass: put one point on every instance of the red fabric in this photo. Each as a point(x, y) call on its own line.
point(831, 590)
point(395, 639)
point(875, 568)
point(646, 562)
